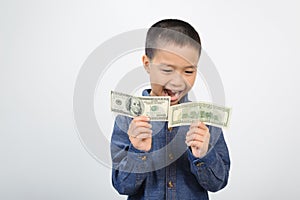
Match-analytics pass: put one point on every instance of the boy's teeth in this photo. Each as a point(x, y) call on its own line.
point(175, 93)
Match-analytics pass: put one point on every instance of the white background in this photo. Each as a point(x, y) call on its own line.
point(254, 44)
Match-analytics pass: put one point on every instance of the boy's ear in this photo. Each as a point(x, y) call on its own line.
point(146, 63)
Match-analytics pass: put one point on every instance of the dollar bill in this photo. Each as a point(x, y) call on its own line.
point(155, 107)
point(186, 113)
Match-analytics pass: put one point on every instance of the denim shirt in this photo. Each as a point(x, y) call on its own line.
point(169, 170)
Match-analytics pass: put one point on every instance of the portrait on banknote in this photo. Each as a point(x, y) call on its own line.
point(134, 106)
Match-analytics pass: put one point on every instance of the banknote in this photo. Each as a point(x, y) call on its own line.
point(155, 107)
point(184, 114)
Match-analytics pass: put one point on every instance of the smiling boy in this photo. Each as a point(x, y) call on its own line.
point(151, 161)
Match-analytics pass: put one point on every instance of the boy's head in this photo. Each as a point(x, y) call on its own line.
point(173, 48)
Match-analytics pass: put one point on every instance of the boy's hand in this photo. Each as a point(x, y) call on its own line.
point(140, 133)
point(198, 139)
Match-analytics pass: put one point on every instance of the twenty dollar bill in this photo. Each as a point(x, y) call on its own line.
point(155, 107)
point(186, 113)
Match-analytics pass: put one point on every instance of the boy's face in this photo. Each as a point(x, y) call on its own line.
point(172, 71)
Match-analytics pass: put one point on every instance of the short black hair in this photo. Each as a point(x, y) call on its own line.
point(173, 31)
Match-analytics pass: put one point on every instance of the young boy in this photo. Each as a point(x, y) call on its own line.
point(151, 161)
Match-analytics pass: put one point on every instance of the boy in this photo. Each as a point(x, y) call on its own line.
point(151, 161)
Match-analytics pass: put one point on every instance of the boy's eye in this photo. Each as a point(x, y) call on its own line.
point(189, 72)
point(167, 70)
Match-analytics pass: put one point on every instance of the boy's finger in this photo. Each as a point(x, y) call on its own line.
point(144, 135)
point(140, 131)
point(195, 124)
point(198, 124)
point(197, 131)
point(194, 144)
point(194, 137)
point(203, 126)
point(142, 124)
point(141, 118)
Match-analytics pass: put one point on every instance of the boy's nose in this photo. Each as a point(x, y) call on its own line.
point(177, 80)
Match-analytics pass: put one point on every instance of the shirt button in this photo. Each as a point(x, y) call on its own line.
point(170, 184)
point(171, 156)
point(144, 157)
point(199, 164)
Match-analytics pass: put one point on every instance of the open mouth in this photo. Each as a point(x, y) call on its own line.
point(173, 94)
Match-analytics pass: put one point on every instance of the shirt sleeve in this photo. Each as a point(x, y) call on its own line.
point(212, 170)
point(129, 165)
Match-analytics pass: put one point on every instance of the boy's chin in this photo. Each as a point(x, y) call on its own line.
point(175, 102)
point(172, 103)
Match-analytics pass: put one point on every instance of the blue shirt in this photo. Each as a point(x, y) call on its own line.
point(169, 170)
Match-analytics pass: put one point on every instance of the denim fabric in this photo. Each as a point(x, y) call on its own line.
point(169, 170)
